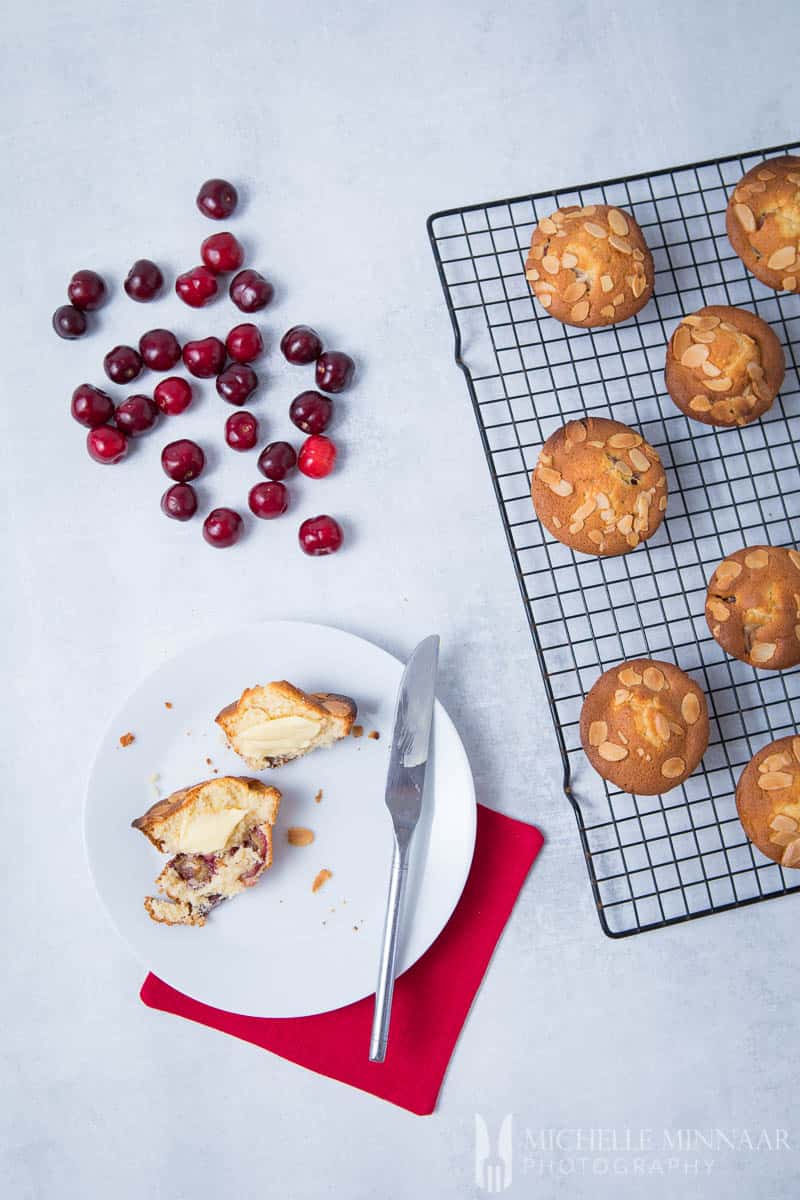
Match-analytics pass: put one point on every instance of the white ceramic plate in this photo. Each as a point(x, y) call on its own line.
point(280, 950)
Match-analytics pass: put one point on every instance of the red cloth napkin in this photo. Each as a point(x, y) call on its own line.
point(431, 1000)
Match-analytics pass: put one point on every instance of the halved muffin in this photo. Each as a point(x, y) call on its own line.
point(272, 724)
point(220, 834)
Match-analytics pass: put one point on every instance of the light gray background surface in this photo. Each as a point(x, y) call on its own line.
point(346, 125)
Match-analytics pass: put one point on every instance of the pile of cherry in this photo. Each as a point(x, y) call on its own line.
point(111, 426)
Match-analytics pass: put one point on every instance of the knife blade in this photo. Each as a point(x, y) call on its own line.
point(405, 783)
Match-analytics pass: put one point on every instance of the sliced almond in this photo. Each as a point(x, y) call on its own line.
point(638, 285)
point(608, 311)
point(719, 610)
point(762, 652)
point(548, 225)
point(580, 310)
point(690, 708)
point(700, 404)
point(625, 524)
point(795, 559)
point(783, 823)
point(756, 559)
point(584, 510)
point(594, 229)
point(624, 441)
point(575, 431)
point(653, 679)
point(574, 291)
point(640, 461)
point(629, 677)
point(620, 244)
point(618, 222)
point(681, 341)
point(662, 726)
point(789, 283)
point(775, 762)
point(695, 356)
point(755, 370)
point(563, 488)
point(774, 781)
point(711, 369)
point(622, 695)
point(673, 767)
point(545, 300)
point(611, 752)
point(618, 299)
point(782, 258)
point(547, 474)
point(791, 855)
point(720, 385)
point(551, 264)
point(297, 835)
point(727, 571)
point(745, 217)
point(569, 260)
point(598, 732)
point(606, 283)
point(706, 336)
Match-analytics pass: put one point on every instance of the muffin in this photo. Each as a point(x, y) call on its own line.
point(599, 487)
point(763, 222)
point(644, 726)
point(753, 606)
point(725, 366)
point(590, 266)
point(768, 800)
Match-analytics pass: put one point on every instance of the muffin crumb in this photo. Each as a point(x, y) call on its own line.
point(127, 739)
point(320, 879)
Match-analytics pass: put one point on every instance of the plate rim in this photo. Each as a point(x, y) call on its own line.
point(194, 645)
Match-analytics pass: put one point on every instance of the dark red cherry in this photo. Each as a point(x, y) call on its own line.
point(250, 291)
point(217, 199)
point(136, 415)
point(122, 364)
point(179, 502)
point(268, 500)
point(301, 345)
point(311, 412)
point(334, 371)
point(276, 460)
point(91, 407)
point(236, 383)
point(69, 322)
point(241, 431)
point(222, 252)
point(317, 457)
point(106, 444)
point(160, 349)
point(87, 290)
point(320, 535)
point(173, 395)
point(197, 287)
point(244, 343)
point(144, 280)
point(182, 460)
point(204, 358)
point(222, 527)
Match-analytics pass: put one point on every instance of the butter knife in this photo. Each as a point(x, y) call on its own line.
point(404, 787)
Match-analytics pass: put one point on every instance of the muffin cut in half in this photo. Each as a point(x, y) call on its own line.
point(220, 835)
point(271, 724)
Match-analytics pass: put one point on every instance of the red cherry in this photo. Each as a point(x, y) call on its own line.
point(204, 358)
point(87, 290)
point(320, 535)
point(221, 252)
point(69, 322)
point(244, 343)
point(196, 287)
point(179, 502)
point(222, 527)
point(106, 444)
point(317, 457)
point(301, 345)
point(268, 500)
point(217, 199)
point(311, 412)
point(334, 371)
point(250, 291)
point(144, 280)
point(136, 415)
point(236, 383)
point(241, 431)
point(122, 364)
point(173, 395)
point(276, 460)
point(160, 349)
point(182, 460)
point(90, 406)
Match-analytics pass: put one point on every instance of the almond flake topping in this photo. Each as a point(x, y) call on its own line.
point(774, 781)
point(611, 752)
point(690, 708)
point(598, 732)
point(756, 559)
point(673, 767)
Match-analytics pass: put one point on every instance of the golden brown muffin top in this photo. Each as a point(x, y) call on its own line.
point(763, 222)
point(753, 606)
point(768, 800)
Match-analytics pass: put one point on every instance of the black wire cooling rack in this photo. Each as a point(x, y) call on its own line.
point(652, 860)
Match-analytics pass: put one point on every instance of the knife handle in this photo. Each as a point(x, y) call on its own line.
point(391, 930)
